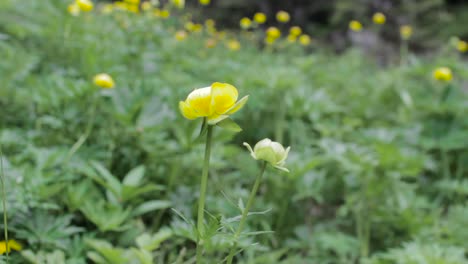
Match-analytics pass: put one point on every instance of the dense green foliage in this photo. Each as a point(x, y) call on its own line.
point(378, 156)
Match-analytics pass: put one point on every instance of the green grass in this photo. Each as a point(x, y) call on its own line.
point(378, 163)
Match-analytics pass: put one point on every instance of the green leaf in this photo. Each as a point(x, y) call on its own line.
point(134, 177)
point(230, 125)
point(151, 206)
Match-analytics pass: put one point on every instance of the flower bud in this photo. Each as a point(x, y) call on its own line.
point(271, 152)
point(104, 80)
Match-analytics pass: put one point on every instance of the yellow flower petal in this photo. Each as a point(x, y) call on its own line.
point(186, 111)
point(238, 105)
point(200, 101)
point(223, 97)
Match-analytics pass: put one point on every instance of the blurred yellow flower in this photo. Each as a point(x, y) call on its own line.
point(178, 3)
point(180, 35)
point(283, 16)
point(192, 27)
point(205, 2)
point(107, 9)
point(132, 8)
point(210, 23)
point(146, 6)
point(291, 38)
point(245, 23)
point(305, 40)
point(271, 152)
point(12, 245)
point(273, 32)
point(442, 74)
point(406, 31)
point(462, 46)
point(133, 2)
point(215, 103)
point(355, 25)
point(210, 43)
point(73, 9)
point(295, 31)
point(260, 18)
point(269, 40)
point(85, 5)
point(379, 18)
point(164, 13)
point(234, 45)
point(104, 80)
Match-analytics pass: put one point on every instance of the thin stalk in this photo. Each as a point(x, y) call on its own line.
point(201, 200)
point(5, 220)
point(245, 212)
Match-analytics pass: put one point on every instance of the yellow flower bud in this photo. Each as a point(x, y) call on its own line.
point(164, 13)
point(180, 35)
point(245, 23)
point(462, 46)
point(442, 74)
point(215, 103)
point(73, 9)
point(355, 25)
point(406, 31)
point(85, 5)
point(12, 245)
point(104, 80)
point(295, 31)
point(283, 17)
point(260, 18)
point(273, 32)
point(178, 3)
point(305, 40)
point(379, 18)
point(205, 2)
point(271, 152)
point(234, 45)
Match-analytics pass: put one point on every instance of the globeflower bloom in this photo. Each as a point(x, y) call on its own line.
point(379, 18)
point(234, 45)
point(462, 46)
point(355, 25)
point(245, 23)
point(104, 80)
point(12, 245)
point(295, 31)
point(273, 33)
point(283, 17)
point(271, 152)
point(260, 18)
point(215, 103)
point(85, 5)
point(442, 74)
point(406, 31)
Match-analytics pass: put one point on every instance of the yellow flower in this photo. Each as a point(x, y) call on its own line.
point(462, 46)
point(210, 23)
point(180, 35)
point(245, 23)
point(215, 103)
point(132, 8)
point(305, 40)
point(164, 13)
point(73, 9)
point(12, 245)
point(379, 18)
point(107, 9)
point(85, 5)
point(104, 80)
point(355, 25)
point(406, 31)
point(295, 31)
point(283, 17)
point(260, 18)
point(271, 152)
point(146, 6)
point(442, 74)
point(273, 32)
point(291, 38)
point(178, 3)
point(205, 2)
point(234, 45)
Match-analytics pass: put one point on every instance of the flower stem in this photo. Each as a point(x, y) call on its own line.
point(245, 212)
point(201, 200)
point(5, 220)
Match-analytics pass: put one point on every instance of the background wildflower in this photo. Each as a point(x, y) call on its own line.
point(104, 80)
point(85, 5)
point(283, 16)
point(245, 23)
point(260, 18)
point(379, 18)
point(406, 31)
point(355, 25)
point(462, 46)
point(305, 40)
point(442, 74)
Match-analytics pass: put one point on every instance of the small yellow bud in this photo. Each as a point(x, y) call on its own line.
point(273, 32)
point(305, 40)
point(104, 80)
point(85, 5)
point(442, 74)
point(406, 31)
point(295, 31)
point(260, 18)
point(245, 23)
point(355, 25)
point(283, 17)
point(271, 152)
point(462, 46)
point(379, 18)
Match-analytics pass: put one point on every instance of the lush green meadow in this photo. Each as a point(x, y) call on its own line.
point(378, 162)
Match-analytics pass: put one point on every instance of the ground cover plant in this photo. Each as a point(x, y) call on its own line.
point(147, 133)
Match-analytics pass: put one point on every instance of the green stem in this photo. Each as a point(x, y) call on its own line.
point(245, 212)
point(5, 220)
point(201, 201)
point(446, 93)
